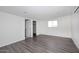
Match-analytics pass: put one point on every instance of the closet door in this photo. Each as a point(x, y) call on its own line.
point(27, 28)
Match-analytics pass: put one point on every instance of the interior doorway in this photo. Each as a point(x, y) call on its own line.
point(34, 28)
point(27, 28)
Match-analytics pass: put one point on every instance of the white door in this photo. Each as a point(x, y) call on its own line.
point(27, 28)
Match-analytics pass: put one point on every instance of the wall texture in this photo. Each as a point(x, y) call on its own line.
point(63, 29)
point(11, 28)
point(75, 29)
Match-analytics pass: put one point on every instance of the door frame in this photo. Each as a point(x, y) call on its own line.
point(25, 27)
point(34, 34)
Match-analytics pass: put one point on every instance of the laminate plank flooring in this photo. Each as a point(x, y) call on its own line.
point(42, 44)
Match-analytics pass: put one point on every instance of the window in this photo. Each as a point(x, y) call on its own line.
point(52, 23)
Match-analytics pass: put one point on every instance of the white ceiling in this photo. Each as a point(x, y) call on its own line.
point(39, 12)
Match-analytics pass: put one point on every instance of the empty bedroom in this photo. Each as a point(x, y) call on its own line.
point(39, 29)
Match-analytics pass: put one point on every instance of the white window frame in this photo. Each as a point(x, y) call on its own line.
point(53, 23)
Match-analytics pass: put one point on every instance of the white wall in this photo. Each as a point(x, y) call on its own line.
point(63, 29)
point(75, 29)
point(11, 28)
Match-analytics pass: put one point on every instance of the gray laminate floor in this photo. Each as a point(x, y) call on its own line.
point(42, 44)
